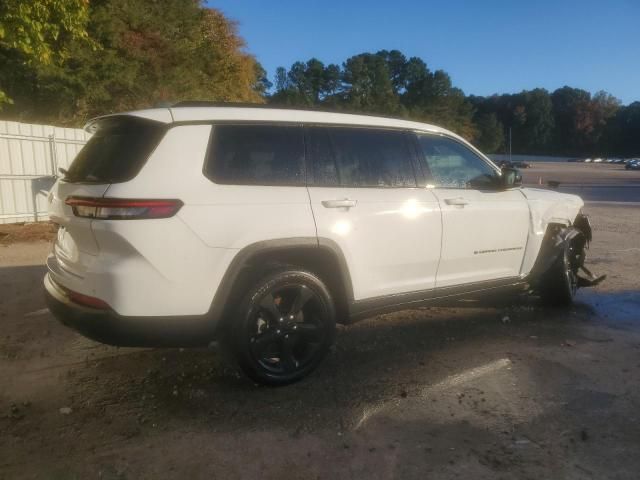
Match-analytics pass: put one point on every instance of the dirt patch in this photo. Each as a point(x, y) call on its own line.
point(27, 232)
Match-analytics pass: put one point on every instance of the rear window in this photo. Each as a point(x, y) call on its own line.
point(256, 155)
point(116, 152)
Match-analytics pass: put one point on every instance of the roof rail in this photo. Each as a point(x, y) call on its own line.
point(204, 103)
point(267, 106)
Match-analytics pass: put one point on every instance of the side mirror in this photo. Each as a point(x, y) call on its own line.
point(511, 177)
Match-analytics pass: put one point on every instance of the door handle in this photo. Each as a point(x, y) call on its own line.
point(458, 201)
point(343, 203)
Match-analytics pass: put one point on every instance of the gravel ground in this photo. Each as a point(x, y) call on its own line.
point(482, 393)
point(26, 232)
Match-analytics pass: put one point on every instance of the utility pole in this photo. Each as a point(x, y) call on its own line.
point(509, 144)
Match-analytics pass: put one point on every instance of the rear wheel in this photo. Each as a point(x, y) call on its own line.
point(559, 284)
point(284, 327)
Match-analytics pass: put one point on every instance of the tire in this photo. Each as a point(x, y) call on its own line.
point(283, 327)
point(559, 284)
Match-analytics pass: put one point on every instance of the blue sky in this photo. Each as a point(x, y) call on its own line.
point(487, 46)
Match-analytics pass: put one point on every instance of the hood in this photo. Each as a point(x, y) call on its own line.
point(548, 206)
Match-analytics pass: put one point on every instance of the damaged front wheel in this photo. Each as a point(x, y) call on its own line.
point(559, 284)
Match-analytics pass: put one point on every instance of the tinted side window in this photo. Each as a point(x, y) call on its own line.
point(360, 157)
point(453, 165)
point(116, 152)
point(256, 155)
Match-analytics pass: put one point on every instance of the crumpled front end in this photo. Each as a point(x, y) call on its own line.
point(558, 237)
point(580, 239)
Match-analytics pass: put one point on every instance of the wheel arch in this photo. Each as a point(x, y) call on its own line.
point(557, 234)
point(321, 256)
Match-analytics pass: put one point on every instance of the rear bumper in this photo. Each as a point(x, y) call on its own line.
point(108, 327)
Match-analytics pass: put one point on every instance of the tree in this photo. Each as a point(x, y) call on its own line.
point(623, 131)
point(397, 66)
point(535, 132)
point(431, 97)
point(529, 115)
point(490, 138)
point(262, 84)
point(148, 52)
point(38, 31)
point(281, 79)
point(604, 108)
point(573, 119)
point(368, 85)
point(332, 82)
point(385, 83)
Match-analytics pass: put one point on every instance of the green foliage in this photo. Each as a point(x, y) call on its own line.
point(306, 84)
point(39, 29)
point(536, 132)
point(384, 83)
point(581, 120)
point(368, 85)
point(490, 137)
point(574, 124)
point(568, 121)
point(64, 61)
point(145, 53)
point(622, 132)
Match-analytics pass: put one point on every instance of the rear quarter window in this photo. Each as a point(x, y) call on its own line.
point(116, 152)
point(256, 155)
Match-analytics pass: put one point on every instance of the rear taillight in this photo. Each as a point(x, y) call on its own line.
point(122, 209)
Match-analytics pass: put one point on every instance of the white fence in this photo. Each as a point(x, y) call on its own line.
point(30, 156)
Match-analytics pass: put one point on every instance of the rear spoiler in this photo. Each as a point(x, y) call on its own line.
point(160, 115)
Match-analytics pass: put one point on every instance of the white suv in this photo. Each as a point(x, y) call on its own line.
point(264, 227)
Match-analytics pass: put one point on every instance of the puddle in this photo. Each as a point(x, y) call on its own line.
point(619, 309)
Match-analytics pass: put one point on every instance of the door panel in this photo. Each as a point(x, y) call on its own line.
point(390, 238)
point(484, 227)
point(484, 235)
point(364, 197)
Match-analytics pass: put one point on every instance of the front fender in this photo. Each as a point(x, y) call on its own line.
point(546, 208)
point(550, 207)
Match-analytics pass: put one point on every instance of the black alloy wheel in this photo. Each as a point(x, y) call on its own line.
point(287, 327)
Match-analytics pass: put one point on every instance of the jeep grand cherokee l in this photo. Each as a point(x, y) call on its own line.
point(264, 227)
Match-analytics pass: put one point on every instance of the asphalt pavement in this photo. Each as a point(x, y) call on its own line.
point(514, 391)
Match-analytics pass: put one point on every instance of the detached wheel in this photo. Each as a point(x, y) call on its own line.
point(284, 328)
point(559, 284)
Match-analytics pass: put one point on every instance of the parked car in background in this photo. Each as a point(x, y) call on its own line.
point(262, 228)
point(633, 164)
point(517, 164)
point(520, 165)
